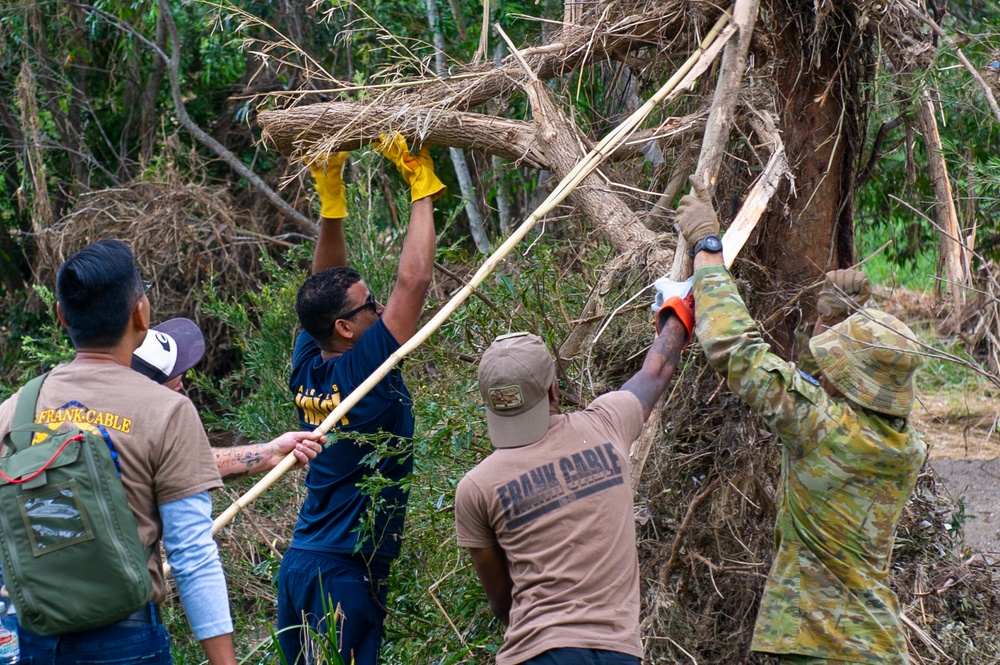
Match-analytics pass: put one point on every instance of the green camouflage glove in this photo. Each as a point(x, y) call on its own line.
point(696, 217)
point(843, 292)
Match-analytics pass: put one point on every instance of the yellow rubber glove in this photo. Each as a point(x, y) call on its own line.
point(329, 178)
point(417, 171)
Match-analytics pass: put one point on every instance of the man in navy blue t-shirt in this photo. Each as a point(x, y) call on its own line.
point(343, 541)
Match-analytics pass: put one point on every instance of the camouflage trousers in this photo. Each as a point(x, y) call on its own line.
point(808, 660)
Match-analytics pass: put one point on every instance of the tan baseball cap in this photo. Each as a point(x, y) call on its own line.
point(515, 373)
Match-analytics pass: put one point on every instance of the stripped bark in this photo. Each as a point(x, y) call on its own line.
point(951, 243)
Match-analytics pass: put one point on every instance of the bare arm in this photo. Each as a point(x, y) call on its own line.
point(491, 568)
point(658, 367)
point(241, 461)
point(416, 263)
point(331, 246)
point(219, 649)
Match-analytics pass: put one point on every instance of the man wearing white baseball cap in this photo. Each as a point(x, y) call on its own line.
point(169, 350)
point(548, 516)
point(175, 346)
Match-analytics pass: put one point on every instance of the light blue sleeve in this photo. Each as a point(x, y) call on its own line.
point(194, 559)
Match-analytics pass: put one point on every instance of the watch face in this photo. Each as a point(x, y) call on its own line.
point(712, 244)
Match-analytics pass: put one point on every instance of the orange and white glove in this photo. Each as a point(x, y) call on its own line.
point(673, 298)
point(417, 171)
point(328, 175)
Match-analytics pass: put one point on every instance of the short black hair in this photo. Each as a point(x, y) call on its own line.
point(322, 298)
point(97, 288)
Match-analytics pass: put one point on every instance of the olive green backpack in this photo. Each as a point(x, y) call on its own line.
point(72, 560)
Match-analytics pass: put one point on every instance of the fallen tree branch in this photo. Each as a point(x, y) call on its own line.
point(720, 117)
point(335, 126)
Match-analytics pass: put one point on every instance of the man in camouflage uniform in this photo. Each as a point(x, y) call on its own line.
point(849, 459)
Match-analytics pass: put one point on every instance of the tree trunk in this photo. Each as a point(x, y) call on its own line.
point(950, 244)
point(818, 118)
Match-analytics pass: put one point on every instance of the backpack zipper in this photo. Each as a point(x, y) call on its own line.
point(123, 554)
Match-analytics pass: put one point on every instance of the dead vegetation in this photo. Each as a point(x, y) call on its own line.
point(183, 234)
point(707, 503)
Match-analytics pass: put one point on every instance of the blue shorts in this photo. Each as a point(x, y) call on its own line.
point(358, 586)
point(570, 656)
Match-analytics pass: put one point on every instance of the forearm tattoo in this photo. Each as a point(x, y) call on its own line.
point(658, 368)
point(239, 461)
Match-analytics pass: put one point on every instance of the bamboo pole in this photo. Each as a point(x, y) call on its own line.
point(693, 67)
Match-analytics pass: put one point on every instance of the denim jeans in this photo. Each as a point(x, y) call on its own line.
point(570, 656)
point(358, 587)
point(111, 645)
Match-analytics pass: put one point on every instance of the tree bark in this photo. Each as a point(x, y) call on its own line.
point(818, 115)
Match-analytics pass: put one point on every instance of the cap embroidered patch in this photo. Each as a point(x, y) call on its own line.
point(506, 398)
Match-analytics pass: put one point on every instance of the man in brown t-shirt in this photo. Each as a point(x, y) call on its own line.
point(162, 452)
point(548, 516)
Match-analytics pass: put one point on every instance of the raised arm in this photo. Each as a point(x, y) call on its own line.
point(660, 362)
point(331, 246)
point(416, 262)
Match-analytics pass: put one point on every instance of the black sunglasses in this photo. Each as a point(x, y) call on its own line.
point(370, 302)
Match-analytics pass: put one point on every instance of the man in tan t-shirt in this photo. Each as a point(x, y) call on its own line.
point(548, 516)
point(162, 452)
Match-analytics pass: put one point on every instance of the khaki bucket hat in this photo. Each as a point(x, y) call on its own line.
point(871, 357)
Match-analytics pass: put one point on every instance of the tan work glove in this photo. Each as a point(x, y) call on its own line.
point(329, 178)
point(696, 217)
point(417, 171)
point(843, 292)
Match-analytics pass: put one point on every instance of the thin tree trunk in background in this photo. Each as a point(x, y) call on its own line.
point(500, 183)
point(476, 226)
point(27, 94)
point(945, 213)
point(148, 116)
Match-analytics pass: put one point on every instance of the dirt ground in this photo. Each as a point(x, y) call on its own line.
point(961, 434)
